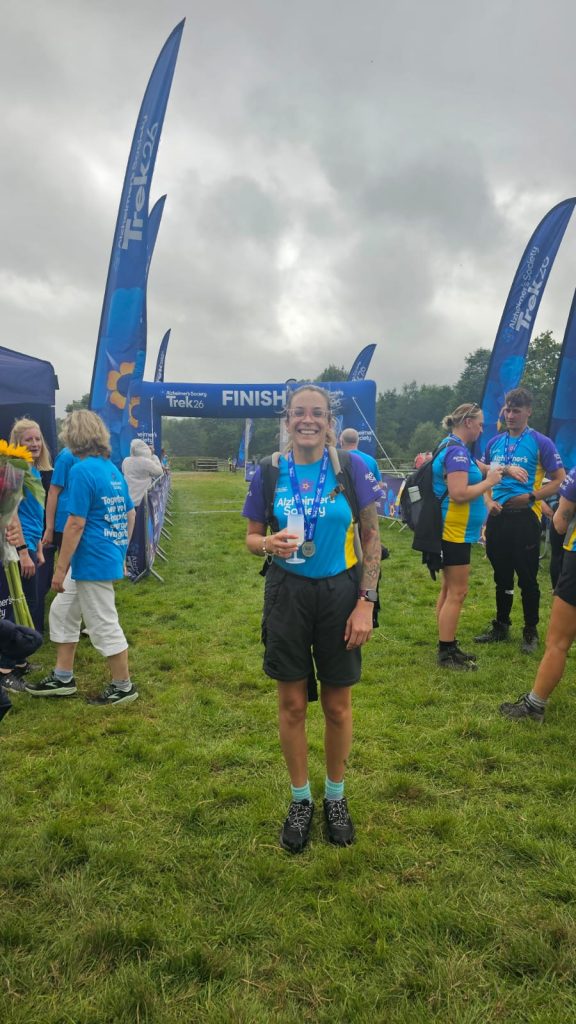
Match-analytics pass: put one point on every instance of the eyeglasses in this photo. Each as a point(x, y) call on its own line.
point(299, 412)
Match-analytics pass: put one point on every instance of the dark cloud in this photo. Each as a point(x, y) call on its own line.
point(336, 174)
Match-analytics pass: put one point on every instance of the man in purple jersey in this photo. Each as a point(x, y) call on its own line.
point(514, 514)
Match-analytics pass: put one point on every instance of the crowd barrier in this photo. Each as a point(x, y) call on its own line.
point(151, 516)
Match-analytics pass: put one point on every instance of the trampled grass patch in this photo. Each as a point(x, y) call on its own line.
point(142, 879)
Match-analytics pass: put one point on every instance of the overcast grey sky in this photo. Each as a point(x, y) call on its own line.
point(337, 173)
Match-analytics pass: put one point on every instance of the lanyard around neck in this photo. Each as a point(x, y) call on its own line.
point(311, 519)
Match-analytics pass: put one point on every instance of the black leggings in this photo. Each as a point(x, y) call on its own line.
point(513, 547)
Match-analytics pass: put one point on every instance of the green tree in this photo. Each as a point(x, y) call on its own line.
point(470, 384)
point(332, 373)
point(425, 438)
point(80, 403)
point(539, 376)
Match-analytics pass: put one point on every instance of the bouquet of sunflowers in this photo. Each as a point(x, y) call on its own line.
point(15, 461)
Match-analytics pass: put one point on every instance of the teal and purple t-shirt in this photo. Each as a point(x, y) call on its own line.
point(535, 452)
point(334, 533)
point(568, 491)
point(461, 521)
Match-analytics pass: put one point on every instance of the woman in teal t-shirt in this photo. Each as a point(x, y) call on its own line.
point(460, 483)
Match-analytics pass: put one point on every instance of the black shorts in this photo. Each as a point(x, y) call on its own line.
point(566, 586)
point(303, 625)
point(455, 554)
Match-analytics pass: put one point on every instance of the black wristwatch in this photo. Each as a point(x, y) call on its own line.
point(368, 595)
point(532, 497)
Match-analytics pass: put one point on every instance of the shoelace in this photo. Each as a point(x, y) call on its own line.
point(298, 814)
point(337, 812)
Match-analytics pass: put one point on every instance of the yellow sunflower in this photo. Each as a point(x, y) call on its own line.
point(133, 403)
point(117, 397)
point(15, 451)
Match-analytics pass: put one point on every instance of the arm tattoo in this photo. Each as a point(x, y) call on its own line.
point(371, 546)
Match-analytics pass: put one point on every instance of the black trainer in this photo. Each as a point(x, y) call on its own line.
point(464, 654)
point(112, 696)
point(530, 640)
point(521, 709)
point(295, 831)
point(50, 686)
point(456, 659)
point(339, 825)
point(23, 670)
point(495, 634)
point(12, 681)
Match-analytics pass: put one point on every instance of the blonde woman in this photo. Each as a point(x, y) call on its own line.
point(31, 515)
point(96, 536)
point(460, 483)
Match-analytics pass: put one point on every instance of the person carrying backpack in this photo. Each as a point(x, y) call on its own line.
point(318, 610)
point(459, 482)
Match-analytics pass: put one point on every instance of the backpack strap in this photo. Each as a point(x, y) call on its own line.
point(440, 448)
point(341, 464)
point(269, 471)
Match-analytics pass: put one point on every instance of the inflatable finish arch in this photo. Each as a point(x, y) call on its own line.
point(353, 403)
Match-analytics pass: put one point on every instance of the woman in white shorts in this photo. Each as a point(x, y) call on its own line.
point(96, 536)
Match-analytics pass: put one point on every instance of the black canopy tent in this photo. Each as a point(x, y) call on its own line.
point(28, 388)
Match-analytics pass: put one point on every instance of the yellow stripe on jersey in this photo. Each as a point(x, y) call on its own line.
point(349, 552)
point(570, 539)
point(538, 478)
point(456, 522)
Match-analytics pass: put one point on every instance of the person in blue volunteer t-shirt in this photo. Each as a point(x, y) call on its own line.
point(349, 441)
point(57, 499)
point(514, 513)
point(318, 611)
point(30, 518)
point(562, 626)
point(96, 536)
point(458, 481)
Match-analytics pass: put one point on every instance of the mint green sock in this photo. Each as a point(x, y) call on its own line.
point(333, 790)
point(300, 793)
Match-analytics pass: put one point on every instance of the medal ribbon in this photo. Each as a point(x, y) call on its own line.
point(309, 520)
point(510, 450)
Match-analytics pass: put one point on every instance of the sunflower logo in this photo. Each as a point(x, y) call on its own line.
point(118, 382)
point(131, 406)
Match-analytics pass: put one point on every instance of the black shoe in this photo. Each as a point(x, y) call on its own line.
point(23, 670)
point(496, 633)
point(295, 831)
point(339, 824)
point(12, 681)
point(50, 686)
point(112, 696)
point(464, 654)
point(521, 709)
point(530, 642)
point(456, 659)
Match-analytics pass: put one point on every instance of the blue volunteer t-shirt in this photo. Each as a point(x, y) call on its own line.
point(568, 491)
point(535, 452)
point(98, 494)
point(370, 462)
point(62, 468)
point(31, 508)
point(462, 523)
point(334, 534)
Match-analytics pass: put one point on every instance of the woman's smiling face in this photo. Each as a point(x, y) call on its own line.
point(308, 419)
point(32, 440)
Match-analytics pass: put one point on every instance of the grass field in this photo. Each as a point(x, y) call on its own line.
point(141, 875)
